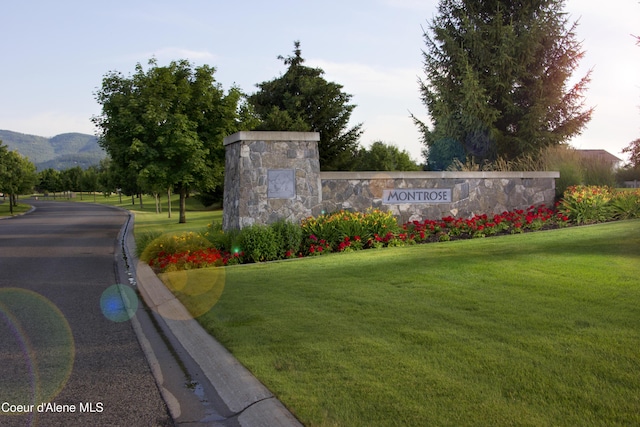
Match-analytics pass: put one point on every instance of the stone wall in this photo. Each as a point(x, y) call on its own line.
point(276, 175)
point(462, 194)
point(270, 176)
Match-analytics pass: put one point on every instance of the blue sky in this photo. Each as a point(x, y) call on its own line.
point(54, 55)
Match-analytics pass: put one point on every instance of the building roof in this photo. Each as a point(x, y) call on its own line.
point(601, 155)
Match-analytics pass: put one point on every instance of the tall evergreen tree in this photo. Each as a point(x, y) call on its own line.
point(302, 100)
point(497, 75)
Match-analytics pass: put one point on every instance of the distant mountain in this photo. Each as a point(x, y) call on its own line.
point(59, 152)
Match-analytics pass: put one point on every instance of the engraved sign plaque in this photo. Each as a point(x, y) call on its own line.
point(416, 195)
point(281, 184)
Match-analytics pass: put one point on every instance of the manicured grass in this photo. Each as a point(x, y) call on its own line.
point(148, 221)
point(534, 329)
point(20, 208)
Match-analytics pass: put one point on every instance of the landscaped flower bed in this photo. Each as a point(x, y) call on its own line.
point(346, 231)
point(518, 221)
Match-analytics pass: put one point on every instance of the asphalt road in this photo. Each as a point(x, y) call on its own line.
point(58, 342)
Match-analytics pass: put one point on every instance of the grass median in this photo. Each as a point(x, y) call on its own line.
point(5, 210)
point(534, 329)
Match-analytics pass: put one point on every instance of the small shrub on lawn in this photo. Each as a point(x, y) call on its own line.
point(587, 204)
point(181, 252)
point(259, 243)
point(173, 244)
point(626, 205)
point(357, 226)
point(516, 221)
point(289, 235)
point(225, 241)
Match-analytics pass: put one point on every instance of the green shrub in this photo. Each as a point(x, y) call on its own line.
point(259, 243)
point(587, 204)
point(289, 235)
point(626, 204)
point(224, 241)
point(627, 173)
point(334, 227)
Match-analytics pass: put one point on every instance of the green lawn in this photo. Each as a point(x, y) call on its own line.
point(540, 329)
point(146, 218)
point(19, 209)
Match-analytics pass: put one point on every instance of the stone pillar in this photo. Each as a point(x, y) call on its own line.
point(270, 176)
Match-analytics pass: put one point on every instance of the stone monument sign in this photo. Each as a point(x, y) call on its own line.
point(270, 176)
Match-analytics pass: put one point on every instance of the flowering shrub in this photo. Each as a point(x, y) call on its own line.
point(166, 262)
point(517, 221)
point(315, 246)
point(585, 204)
point(174, 244)
point(184, 252)
point(346, 231)
point(289, 238)
point(626, 204)
point(335, 227)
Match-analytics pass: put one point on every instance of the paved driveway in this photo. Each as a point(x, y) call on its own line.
point(57, 343)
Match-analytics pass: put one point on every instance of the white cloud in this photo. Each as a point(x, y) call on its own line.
point(366, 80)
point(397, 130)
point(385, 98)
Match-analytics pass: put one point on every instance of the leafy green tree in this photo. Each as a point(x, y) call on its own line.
point(17, 174)
point(71, 179)
point(49, 180)
point(89, 180)
point(497, 77)
point(165, 126)
point(384, 157)
point(302, 100)
point(631, 170)
point(633, 149)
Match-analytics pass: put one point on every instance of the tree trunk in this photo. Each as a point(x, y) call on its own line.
point(183, 205)
point(169, 202)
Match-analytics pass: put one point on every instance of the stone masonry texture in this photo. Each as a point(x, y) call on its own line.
point(253, 196)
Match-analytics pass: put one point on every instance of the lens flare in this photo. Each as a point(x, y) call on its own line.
point(119, 303)
point(37, 351)
point(198, 290)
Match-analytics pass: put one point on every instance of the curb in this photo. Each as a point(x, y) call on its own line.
point(33, 208)
point(244, 395)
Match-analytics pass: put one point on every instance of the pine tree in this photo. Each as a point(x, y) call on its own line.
point(302, 100)
point(496, 77)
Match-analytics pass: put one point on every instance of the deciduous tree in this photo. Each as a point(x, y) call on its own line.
point(165, 125)
point(17, 174)
point(384, 157)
